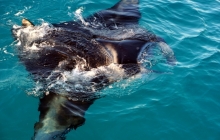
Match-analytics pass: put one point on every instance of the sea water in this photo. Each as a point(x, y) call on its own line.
point(178, 103)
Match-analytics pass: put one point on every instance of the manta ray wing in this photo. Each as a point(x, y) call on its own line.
point(124, 12)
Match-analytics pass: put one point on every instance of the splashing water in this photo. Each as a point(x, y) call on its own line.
point(78, 15)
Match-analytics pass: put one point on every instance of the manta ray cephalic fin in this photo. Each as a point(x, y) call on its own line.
point(25, 22)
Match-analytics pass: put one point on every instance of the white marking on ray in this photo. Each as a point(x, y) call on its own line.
point(50, 123)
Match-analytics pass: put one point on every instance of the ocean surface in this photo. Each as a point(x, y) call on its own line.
point(178, 103)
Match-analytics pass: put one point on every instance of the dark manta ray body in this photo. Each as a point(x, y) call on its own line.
point(73, 60)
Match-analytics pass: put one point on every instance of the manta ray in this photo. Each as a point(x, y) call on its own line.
point(72, 61)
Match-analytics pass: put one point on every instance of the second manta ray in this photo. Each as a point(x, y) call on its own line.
point(73, 60)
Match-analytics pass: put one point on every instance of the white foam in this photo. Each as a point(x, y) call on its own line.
point(26, 36)
point(21, 12)
point(78, 15)
point(81, 81)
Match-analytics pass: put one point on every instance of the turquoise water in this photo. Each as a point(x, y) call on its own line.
point(183, 104)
